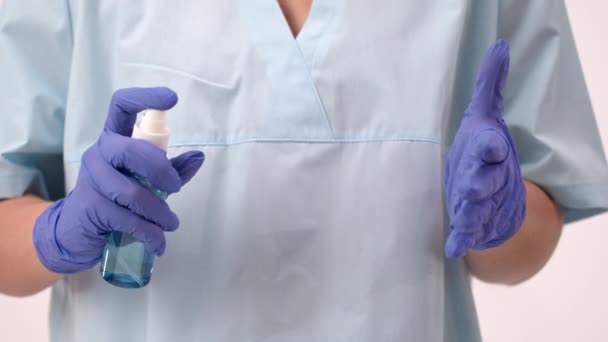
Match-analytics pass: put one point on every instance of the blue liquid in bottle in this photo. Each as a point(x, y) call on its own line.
point(126, 263)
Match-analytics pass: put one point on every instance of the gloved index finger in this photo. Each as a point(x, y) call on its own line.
point(491, 80)
point(127, 102)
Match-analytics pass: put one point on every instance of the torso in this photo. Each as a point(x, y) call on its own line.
point(320, 201)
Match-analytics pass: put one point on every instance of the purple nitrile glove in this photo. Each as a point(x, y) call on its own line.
point(485, 192)
point(71, 234)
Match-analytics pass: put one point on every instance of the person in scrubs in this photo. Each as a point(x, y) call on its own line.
point(361, 161)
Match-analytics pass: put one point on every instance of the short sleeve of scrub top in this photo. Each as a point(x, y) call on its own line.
point(549, 109)
point(547, 105)
point(35, 56)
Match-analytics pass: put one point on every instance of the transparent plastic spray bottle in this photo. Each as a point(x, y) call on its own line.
point(126, 263)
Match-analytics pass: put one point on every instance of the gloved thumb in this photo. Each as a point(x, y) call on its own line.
point(491, 147)
point(187, 164)
point(491, 79)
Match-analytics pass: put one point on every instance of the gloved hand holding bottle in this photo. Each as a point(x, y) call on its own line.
point(71, 234)
point(485, 192)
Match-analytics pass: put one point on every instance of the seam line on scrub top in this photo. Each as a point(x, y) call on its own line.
point(314, 87)
point(178, 72)
point(71, 23)
point(331, 21)
point(230, 142)
point(309, 67)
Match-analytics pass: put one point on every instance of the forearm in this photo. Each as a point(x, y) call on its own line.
point(21, 273)
point(529, 250)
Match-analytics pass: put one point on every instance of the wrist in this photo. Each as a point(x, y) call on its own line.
point(51, 254)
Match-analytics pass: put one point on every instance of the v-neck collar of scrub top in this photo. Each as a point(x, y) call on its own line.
point(290, 61)
point(270, 26)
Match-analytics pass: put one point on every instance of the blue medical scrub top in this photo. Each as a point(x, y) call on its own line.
point(318, 215)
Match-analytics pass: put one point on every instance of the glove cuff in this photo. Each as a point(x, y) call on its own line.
point(48, 249)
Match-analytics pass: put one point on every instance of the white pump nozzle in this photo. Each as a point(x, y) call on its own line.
point(152, 127)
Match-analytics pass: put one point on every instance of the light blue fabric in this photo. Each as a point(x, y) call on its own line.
point(34, 94)
point(318, 215)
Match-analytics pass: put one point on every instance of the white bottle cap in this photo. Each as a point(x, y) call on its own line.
point(151, 126)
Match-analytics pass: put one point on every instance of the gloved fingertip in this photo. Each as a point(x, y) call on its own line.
point(173, 223)
point(188, 164)
point(161, 249)
point(500, 49)
point(491, 80)
point(127, 102)
point(497, 59)
point(195, 155)
point(453, 252)
point(167, 98)
point(455, 246)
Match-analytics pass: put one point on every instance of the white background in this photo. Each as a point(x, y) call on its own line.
point(567, 302)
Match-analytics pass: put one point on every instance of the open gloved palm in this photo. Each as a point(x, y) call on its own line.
point(485, 193)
